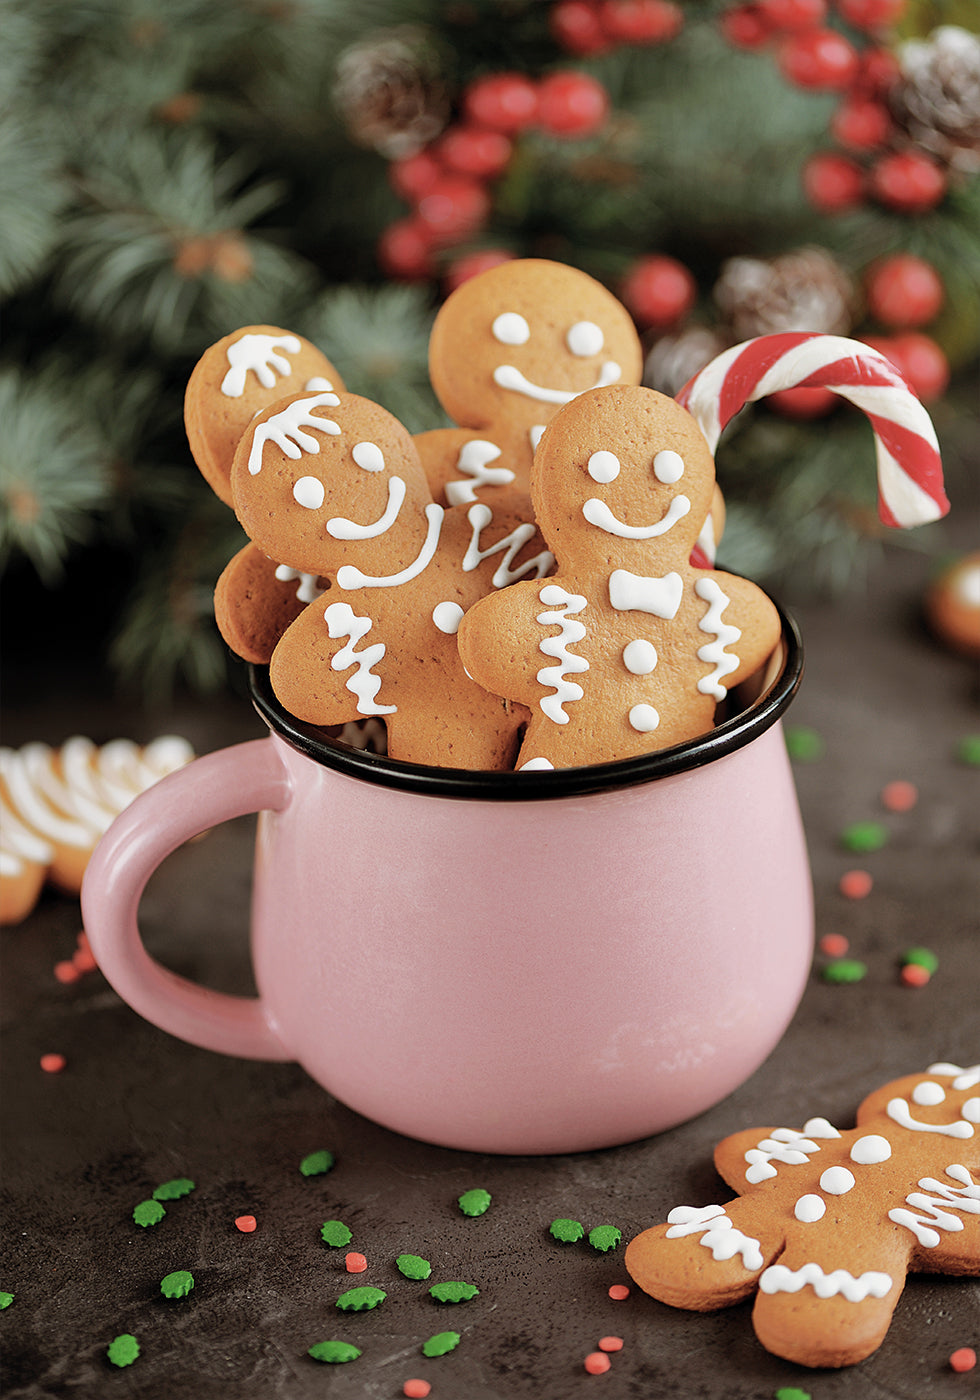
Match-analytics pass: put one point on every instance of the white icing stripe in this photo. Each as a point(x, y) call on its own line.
point(480, 516)
point(35, 811)
point(285, 429)
point(598, 513)
point(474, 461)
point(258, 354)
point(780, 1279)
point(349, 577)
point(309, 589)
point(660, 597)
point(718, 1233)
point(572, 631)
point(898, 1110)
point(962, 1078)
point(510, 377)
point(342, 621)
point(786, 1146)
point(926, 1226)
point(343, 529)
point(725, 635)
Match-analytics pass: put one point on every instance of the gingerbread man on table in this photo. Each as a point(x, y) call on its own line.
point(243, 373)
point(331, 484)
point(628, 647)
point(829, 1223)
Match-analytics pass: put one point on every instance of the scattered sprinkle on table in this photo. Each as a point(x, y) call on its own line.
point(177, 1285)
point(566, 1231)
point(123, 1350)
point(856, 884)
point(174, 1190)
point(618, 1292)
point(355, 1263)
point(316, 1163)
point(475, 1202)
point(610, 1343)
point(834, 945)
point(921, 957)
point(899, 796)
point(914, 975)
point(845, 970)
point(441, 1344)
point(416, 1389)
point(246, 1223)
point(148, 1213)
point(361, 1299)
point(413, 1266)
point(605, 1237)
point(791, 1392)
point(66, 972)
point(5, 1300)
point(335, 1233)
point(963, 1359)
point(803, 743)
point(333, 1352)
point(968, 750)
point(864, 836)
point(597, 1363)
point(453, 1291)
point(52, 1062)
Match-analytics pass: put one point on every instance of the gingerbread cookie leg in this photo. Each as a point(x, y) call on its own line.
point(255, 600)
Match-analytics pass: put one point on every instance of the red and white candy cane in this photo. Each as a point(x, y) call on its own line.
point(910, 474)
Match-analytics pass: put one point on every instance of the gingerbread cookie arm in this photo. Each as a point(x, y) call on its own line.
point(463, 466)
point(741, 630)
point(255, 600)
point(499, 642)
point(323, 667)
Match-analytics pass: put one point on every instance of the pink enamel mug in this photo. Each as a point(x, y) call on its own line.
point(535, 962)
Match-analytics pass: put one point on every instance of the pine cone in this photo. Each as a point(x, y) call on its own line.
point(390, 93)
point(676, 358)
point(936, 100)
point(806, 290)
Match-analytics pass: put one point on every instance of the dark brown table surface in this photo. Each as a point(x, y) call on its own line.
point(134, 1107)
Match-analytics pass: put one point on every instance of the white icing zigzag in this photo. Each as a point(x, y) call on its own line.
point(840, 1283)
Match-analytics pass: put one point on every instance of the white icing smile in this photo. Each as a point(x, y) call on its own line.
point(598, 513)
point(510, 377)
point(342, 529)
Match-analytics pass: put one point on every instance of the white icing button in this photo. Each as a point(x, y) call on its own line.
point(511, 329)
point(369, 456)
point(639, 657)
point(308, 491)
point(928, 1093)
point(809, 1208)
point(317, 385)
point(584, 338)
point(971, 1110)
point(871, 1149)
point(535, 765)
point(644, 719)
point(447, 617)
point(837, 1181)
point(603, 466)
point(668, 467)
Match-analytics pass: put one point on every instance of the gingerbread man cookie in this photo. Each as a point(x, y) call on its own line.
point(628, 647)
point(332, 485)
point(828, 1223)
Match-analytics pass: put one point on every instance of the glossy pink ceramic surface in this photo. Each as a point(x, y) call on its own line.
point(521, 977)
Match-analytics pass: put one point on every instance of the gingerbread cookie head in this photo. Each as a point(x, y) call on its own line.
point(237, 378)
point(515, 343)
point(323, 481)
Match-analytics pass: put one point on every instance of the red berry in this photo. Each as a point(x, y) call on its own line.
point(572, 104)
point(877, 72)
point(922, 362)
point(473, 150)
point(453, 208)
point(861, 123)
point(405, 250)
point(412, 176)
point(870, 14)
point(904, 290)
point(833, 183)
point(820, 59)
point(908, 181)
point(659, 291)
point(789, 15)
point(803, 403)
point(744, 27)
point(641, 21)
point(472, 264)
point(506, 102)
point(576, 26)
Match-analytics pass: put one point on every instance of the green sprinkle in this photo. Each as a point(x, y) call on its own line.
point(864, 836)
point(968, 750)
point(174, 1190)
point(317, 1163)
point(845, 970)
point(334, 1352)
point(454, 1292)
point(413, 1266)
point(566, 1231)
point(361, 1299)
point(148, 1213)
point(605, 1237)
point(5, 1300)
point(922, 957)
point(441, 1343)
point(475, 1202)
point(791, 1392)
point(177, 1284)
point(803, 744)
point(123, 1350)
point(336, 1233)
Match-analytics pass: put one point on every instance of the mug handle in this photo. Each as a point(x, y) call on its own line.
point(233, 782)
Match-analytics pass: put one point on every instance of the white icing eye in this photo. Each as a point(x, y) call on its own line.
point(668, 467)
point(585, 338)
point(318, 383)
point(447, 617)
point(927, 1093)
point(809, 1209)
point(837, 1181)
point(870, 1150)
point(971, 1110)
point(308, 491)
point(603, 466)
point(369, 456)
point(644, 719)
point(640, 657)
point(511, 329)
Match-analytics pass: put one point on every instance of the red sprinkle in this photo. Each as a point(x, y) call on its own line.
point(619, 1291)
point(357, 1264)
point(246, 1223)
point(835, 945)
point(856, 884)
point(610, 1343)
point(597, 1363)
point(416, 1390)
point(914, 975)
point(83, 960)
point(899, 796)
point(53, 1063)
point(66, 971)
point(963, 1359)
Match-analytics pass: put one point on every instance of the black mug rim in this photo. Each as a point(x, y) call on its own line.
point(537, 785)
